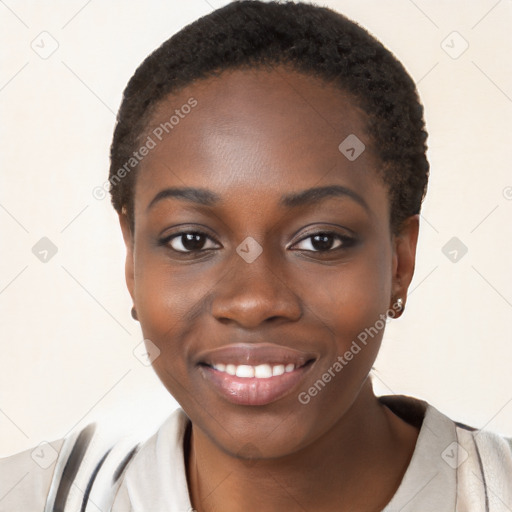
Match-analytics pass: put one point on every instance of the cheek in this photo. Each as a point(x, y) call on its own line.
point(172, 306)
point(167, 295)
point(350, 302)
point(164, 298)
point(351, 298)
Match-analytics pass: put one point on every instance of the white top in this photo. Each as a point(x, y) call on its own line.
point(453, 468)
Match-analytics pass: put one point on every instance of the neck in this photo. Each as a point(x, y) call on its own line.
point(369, 448)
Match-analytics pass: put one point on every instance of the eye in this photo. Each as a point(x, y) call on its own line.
point(188, 241)
point(325, 241)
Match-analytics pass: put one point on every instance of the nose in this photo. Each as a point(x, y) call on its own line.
point(251, 294)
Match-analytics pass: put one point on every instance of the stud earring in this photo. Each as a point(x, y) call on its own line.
point(397, 308)
point(134, 313)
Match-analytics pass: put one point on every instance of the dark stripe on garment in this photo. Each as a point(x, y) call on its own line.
point(71, 468)
point(91, 481)
point(120, 469)
point(483, 476)
point(465, 427)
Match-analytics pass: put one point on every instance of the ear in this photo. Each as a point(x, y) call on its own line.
point(404, 259)
point(129, 242)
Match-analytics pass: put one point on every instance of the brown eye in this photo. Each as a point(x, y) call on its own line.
point(324, 242)
point(191, 241)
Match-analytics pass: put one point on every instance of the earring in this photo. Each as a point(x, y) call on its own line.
point(134, 313)
point(396, 309)
point(399, 307)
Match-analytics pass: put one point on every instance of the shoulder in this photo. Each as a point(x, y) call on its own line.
point(485, 466)
point(25, 477)
point(156, 477)
point(490, 446)
point(60, 475)
point(482, 462)
point(472, 467)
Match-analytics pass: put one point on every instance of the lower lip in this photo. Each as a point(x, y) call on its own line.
point(251, 390)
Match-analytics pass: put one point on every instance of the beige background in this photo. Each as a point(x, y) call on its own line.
point(67, 338)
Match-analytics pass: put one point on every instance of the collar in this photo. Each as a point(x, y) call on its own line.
point(156, 478)
point(430, 481)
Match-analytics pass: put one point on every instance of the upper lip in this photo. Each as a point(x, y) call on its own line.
point(254, 354)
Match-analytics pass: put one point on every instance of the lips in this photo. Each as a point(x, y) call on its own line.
point(254, 374)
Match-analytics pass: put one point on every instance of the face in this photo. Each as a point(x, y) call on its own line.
point(260, 249)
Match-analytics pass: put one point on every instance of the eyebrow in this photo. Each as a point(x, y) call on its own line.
point(311, 195)
point(192, 195)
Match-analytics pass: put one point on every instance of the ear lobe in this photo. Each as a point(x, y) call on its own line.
point(129, 262)
point(404, 257)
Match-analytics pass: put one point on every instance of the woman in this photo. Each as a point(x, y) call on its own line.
point(268, 168)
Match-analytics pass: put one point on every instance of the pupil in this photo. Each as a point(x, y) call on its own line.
point(192, 241)
point(322, 242)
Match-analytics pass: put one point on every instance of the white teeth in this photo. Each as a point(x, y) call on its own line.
point(262, 371)
point(278, 369)
point(244, 370)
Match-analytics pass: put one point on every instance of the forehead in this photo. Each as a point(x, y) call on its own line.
point(257, 129)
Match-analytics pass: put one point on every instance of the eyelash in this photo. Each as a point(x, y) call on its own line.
point(346, 241)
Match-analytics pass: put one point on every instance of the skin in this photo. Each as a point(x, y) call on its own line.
point(254, 136)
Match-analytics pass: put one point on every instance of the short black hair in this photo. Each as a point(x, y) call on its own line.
point(313, 40)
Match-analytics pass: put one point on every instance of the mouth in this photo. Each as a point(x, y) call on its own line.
point(254, 374)
point(262, 371)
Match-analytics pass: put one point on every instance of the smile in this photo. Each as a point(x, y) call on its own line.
point(254, 374)
point(262, 371)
